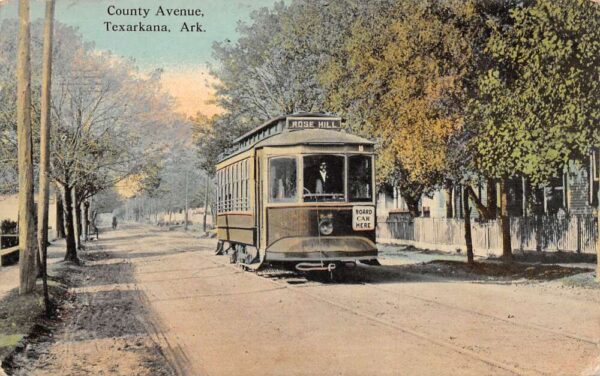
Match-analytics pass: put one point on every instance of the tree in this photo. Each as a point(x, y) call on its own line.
point(27, 240)
point(98, 108)
point(537, 105)
point(275, 66)
point(9, 31)
point(403, 79)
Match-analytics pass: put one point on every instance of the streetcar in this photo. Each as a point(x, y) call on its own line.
point(297, 190)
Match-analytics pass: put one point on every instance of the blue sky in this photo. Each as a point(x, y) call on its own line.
point(183, 56)
point(150, 49)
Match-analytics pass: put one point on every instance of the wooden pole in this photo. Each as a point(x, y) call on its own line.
point(44, 188)
point(27, 231)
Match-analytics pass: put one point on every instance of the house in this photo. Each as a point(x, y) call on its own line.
point(574, 192)
point(9, 209)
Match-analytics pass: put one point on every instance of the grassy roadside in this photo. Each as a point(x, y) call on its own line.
point(22, 317)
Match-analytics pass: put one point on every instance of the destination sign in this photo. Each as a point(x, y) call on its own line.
point(313, 123)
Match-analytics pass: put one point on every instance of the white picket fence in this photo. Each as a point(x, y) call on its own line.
point(573, 233)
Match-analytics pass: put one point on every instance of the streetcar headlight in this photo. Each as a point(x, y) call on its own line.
point(326, 227)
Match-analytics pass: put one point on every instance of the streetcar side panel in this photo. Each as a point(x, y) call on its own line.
point(236, 200)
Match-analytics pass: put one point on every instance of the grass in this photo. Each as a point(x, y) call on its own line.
point(22, 316)
point(11, 340)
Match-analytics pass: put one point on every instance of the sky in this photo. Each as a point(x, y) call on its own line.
point(182, 55)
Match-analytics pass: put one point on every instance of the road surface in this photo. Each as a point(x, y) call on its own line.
point(211, 318)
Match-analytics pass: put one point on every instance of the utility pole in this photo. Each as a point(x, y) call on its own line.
point(44, 190)
point(186, 201)
point(27, 231)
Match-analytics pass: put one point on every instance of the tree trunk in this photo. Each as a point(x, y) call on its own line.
point(481, 209)
point(206, 195)
point(492, 202)
point(71, 254)
point(449, 190)
point(468, 237)
point(505, 222)
point(77, 211)
point(598, 242)
point(60, 217)
point(27, 231)
point(86, 216)
point(185, 226)
point(44, 187)
point(538, 209)
point(413, 206)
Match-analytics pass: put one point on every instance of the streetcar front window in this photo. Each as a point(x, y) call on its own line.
point(360, 178)
point(323, 178)
point(282, 179)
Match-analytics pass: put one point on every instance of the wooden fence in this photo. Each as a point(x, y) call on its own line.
point(9, 249)
point(573, 233)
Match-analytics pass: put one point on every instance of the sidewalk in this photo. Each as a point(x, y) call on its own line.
point(9, 275)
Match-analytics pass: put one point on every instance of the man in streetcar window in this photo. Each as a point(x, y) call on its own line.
point(323, 178)
point(321, 185)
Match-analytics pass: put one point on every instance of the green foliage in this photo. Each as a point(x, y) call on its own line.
point(538, 104)
point(403, 78)
point(275, 67)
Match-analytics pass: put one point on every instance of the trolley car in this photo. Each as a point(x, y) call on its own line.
point(297, 190)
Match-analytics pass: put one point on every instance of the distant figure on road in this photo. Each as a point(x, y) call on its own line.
point(114, 223)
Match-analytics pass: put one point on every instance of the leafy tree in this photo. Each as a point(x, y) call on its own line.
point(8, 99)
point(403, 79)
point(275, 66)
point(538, 104)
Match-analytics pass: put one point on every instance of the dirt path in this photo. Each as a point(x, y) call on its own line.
point(158, 292)
point(103, 329)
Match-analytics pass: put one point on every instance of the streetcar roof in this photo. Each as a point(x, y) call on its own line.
point(274, 122)
point(313, 137)
point(275, 132)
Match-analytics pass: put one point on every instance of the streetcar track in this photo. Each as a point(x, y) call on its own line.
point(512, 322)
point(528, 326)
point(425, 337)
point(463, 351)
point(175, 270)
point(237, 293)
point(283, 278)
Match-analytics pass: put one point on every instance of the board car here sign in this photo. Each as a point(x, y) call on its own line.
point(363, 218)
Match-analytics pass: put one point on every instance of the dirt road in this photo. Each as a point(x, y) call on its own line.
point(210, 318)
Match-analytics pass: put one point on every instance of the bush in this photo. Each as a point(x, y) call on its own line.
point(8, 227)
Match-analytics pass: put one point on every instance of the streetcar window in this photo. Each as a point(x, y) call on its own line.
point(360, 178)
point(282, 179)
point(323, 178)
